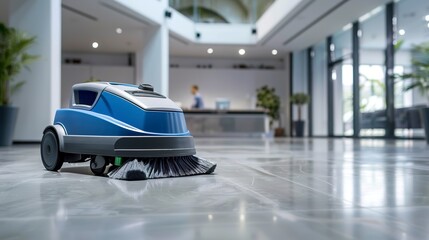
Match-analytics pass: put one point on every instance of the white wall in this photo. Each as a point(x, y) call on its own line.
point(223, 33)
point(104, 59)
point(72, 74)
point(239, 86)
point(192, 62)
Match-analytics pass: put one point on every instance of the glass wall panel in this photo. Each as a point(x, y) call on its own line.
point(342, 77)
point(300, 84)
point(412, 29)
point(320, 90)
point(372, 73)
point(222, 11)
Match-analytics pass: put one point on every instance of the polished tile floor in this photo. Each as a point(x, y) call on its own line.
point(262, 189)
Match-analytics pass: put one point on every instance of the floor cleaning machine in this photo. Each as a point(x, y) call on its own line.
point(126, 131)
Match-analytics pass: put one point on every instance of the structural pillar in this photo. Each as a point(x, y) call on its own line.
point(356, 80)
point(152, 61)
point(330, 67)
point(40, 97)
point(389, 79)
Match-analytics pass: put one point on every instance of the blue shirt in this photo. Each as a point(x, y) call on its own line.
point(198, 102)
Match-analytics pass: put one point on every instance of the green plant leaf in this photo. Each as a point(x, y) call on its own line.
point(419, 77)
point(13, 58)
point(299, 98)
point(268, 100)
point(16, 86)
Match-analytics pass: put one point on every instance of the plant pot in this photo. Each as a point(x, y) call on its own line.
point(8, 117)
point(279, 132)
point(299, 128)
point(425, 119)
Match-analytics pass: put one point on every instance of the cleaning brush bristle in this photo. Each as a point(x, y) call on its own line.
point(147, 168)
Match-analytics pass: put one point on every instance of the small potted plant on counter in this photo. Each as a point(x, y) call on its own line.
point(13, 57)
point(270, 101)
point(419, 79)
point(299, 99)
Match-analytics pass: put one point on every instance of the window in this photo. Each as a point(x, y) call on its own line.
point(84, 97)
point(411, 31)
point(372, 84)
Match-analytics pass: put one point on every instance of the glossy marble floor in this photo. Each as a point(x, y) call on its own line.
point(262, 189)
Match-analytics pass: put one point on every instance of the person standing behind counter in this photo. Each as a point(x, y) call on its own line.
point(198, 100)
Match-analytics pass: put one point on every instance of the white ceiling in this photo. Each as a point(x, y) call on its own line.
point(85, 21)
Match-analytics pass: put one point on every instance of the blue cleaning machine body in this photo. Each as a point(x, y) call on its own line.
point(109, 122)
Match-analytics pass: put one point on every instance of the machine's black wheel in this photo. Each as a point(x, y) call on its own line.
point(52, 158)
point(98, 165)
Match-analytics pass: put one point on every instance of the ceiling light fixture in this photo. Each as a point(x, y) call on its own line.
point(334, 75)
point(241, 52)
point(359, 33)
point(401, 32)
point(427, 18)
point(210, 50)
point(95, 45)
point(274, 52)
point(119, 30)
point(347, 27)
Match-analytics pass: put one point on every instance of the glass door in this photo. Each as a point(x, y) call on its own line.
point(373, 120)
point(341, 75)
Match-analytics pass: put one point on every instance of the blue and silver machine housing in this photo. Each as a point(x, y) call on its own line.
point(113, 119)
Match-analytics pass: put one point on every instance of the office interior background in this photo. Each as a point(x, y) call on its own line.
point(339, 59)
point(343, 53)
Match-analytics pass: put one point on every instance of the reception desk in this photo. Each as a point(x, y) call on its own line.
point(227, 123)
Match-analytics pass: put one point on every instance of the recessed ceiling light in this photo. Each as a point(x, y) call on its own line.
point(210, 50)
point(334, 75)
point(95, 45)
point(401, 32)
point(119, 30)
point(427, 18)
point(242, 52)
point(428, 25)
point(359, 33)
point(274, 52)
point(347, 27)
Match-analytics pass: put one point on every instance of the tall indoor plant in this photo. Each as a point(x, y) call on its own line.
point(299, 99)
point(270, 101)
point(13, 57)
point(419, 79)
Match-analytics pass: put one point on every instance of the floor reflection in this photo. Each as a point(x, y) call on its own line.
point(262, 189)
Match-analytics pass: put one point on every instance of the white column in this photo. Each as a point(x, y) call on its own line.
point(40, 97)
point(152, 62)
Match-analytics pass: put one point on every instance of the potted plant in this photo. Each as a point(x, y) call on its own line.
point(270, 101)
point(419, 79)
point(13, 57)
point(299, 99)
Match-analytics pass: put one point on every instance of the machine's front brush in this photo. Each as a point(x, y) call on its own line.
point(147, 168)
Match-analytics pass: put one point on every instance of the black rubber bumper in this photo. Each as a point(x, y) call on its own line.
point(147, 146)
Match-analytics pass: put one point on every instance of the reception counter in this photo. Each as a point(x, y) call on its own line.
point(227, 123)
